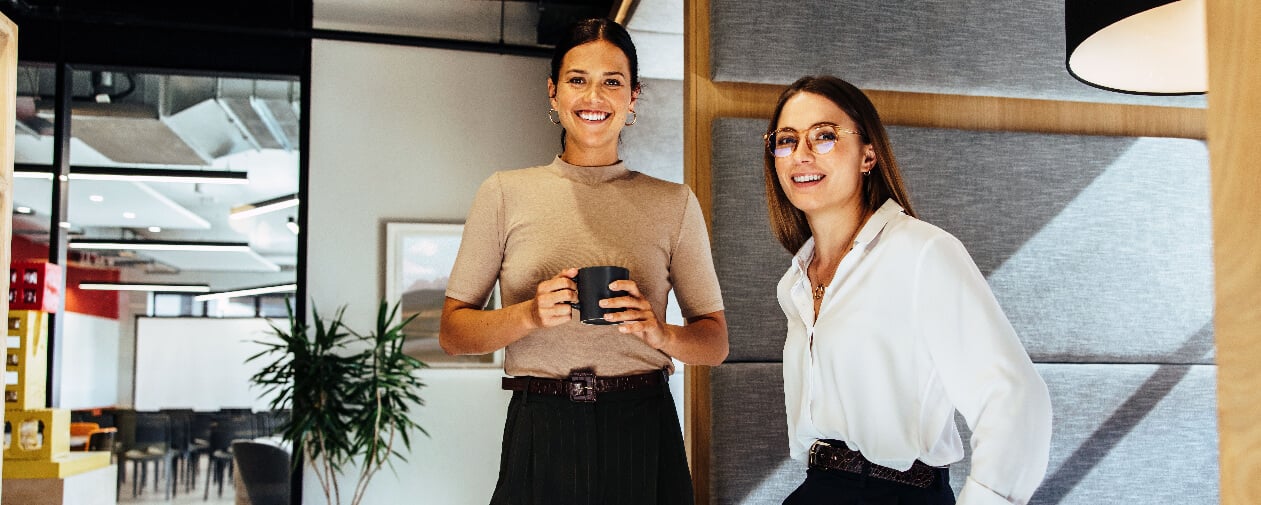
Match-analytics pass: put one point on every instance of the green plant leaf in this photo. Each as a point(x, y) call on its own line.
point(345, 406)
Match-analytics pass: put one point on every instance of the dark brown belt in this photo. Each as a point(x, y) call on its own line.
point(835, 455)
point(582, 386)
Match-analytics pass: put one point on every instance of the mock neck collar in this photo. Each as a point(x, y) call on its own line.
point(589, 175)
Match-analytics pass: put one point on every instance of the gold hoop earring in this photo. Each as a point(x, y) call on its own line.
point(555, 120)
point(634, 117)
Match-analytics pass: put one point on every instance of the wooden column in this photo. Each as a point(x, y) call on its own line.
point(8, 114)
point(1234, 101)
point(697, 113)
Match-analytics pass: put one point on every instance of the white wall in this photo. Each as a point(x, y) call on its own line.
point(89, 351)
point(408, 134)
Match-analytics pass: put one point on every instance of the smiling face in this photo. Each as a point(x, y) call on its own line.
point(594, 98)
point(822, 183)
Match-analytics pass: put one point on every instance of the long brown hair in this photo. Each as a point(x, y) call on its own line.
point(789, 223)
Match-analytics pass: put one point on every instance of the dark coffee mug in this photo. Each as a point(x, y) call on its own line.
point(593, 286)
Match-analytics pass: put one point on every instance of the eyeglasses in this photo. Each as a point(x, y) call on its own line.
point(821, 138)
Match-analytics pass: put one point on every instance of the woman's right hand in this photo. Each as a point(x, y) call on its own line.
point(552, 299)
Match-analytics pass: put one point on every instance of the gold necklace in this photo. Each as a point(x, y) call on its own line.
point(821, 288)
point(818, 291)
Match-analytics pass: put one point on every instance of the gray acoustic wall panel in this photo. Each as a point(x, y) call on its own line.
point(749, 460)
point(1122, 434)
point(1098, 248)
point(747, 258)
point(964, 47)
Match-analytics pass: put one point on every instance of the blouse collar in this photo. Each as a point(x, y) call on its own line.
point(588, 175)
point(875, 224)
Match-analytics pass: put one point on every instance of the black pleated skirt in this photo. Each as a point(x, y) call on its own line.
point(625, 448)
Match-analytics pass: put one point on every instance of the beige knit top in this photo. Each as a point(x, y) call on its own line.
point(527, 225)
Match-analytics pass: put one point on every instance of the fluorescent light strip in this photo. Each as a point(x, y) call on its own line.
point(264, 207)
point(161, 288)
point(186, 179)
point(186, 176)
point(160, 246)
point(282, 288)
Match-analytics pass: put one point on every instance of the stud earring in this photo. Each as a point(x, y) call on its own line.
point(554, 120)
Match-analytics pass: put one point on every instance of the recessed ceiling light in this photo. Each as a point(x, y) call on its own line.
point(21, 209)
point(129, 215)
point(96, 198)
point(64, 224)
point(155, 229)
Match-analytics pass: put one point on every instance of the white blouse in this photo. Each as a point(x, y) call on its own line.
point(908, 332)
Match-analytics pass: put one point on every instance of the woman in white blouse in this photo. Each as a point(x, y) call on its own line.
point(891, 327)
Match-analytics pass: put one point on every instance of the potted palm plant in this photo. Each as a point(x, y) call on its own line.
point(349, 394)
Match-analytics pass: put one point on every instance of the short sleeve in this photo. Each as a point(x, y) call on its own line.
point(481, 247)
point(692, 273)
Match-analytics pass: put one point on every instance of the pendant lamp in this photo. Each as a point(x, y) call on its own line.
point(1142, 47)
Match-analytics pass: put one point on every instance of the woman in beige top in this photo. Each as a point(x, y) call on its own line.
point(591, 418)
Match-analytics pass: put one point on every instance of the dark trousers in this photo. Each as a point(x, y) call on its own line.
point(624, 448)
point(834, 487)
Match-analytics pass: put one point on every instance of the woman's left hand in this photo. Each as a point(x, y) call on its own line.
point(638, 318)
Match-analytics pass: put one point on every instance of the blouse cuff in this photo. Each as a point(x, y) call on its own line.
point(975, 493)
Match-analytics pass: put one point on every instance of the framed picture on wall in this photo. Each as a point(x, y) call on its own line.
point(418, 262)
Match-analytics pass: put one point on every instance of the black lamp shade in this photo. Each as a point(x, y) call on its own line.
point(1146, 47)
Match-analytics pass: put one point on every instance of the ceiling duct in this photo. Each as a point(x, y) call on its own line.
point(172, 120)
point(265, 111)
point(232, 115)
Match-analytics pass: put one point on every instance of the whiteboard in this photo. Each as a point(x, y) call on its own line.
point(90, 357)
point(199, 363)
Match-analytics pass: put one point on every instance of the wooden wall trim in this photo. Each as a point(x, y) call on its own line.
point(731, 99)
point(1234, 45)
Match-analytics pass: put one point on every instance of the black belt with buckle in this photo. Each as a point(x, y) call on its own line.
point(835, 455)
point(583, 385)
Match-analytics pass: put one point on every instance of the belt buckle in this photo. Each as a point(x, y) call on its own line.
point(581, 387)
point(816, 459)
